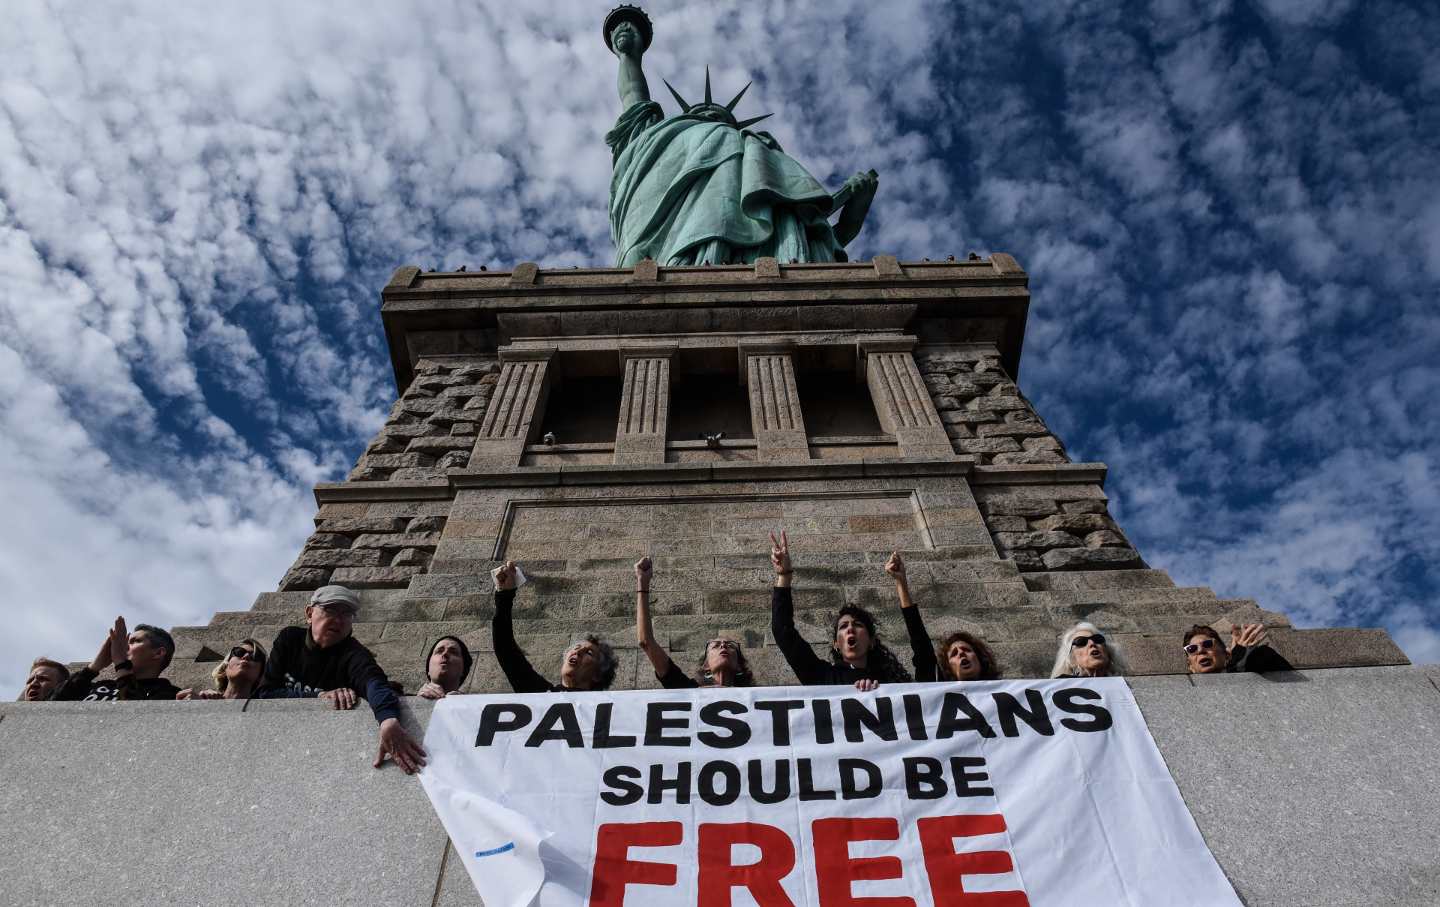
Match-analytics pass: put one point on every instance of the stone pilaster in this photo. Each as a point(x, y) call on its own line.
point(644, 406)
point(902, 401)
point(516, 408)
point(775, 416)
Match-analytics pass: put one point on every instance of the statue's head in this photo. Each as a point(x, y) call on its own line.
point(709, 110)
point(627, 30)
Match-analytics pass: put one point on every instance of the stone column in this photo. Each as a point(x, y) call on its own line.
point(902, 401)
point(775, 415)
point(644, 406)
point(516, 408)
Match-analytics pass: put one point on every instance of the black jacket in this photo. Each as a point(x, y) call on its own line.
point(522, 675)
point(299, 669)
point(812, 670)
point(1258, 660)
point(83, 687)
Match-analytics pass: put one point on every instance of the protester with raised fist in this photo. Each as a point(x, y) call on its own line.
point(137, 657)
point(962, 656)
point(857, 656)
point(587, 665)
point(722, 664)
point(1085, 652)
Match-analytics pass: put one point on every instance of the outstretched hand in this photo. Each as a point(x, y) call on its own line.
point(398, 745)
point(895, 566)
point(1249, 636)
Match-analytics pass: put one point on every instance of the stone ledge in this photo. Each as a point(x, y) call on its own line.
point(1040, 474)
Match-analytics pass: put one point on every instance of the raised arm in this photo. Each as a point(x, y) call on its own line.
point(922, 653)
point(628, 47)
point(522, 675)
point(808, 667)
point(644, 632)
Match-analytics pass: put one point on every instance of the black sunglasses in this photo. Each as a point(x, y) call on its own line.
point(1079, 641)
point(1206, 643)
point(242, 652)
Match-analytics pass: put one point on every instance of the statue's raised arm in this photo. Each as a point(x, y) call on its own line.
point(701, 188)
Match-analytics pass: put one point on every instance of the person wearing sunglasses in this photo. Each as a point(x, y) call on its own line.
point(722, 664)
point(1205, 653)
point(1084, 652)
point(324, 660)
point(237, 676)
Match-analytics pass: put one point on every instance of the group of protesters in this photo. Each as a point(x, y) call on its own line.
point(322, 659)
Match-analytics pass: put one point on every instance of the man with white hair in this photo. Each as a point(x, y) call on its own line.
point(324, 660)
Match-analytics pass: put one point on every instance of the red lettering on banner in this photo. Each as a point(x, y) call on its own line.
point(613, 867)
point(718, 875)
point(835, 869)
point(947, 868)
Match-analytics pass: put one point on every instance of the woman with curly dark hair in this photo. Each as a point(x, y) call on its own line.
point(722, 664)
point(857, 656)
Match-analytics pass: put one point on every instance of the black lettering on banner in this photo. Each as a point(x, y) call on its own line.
point(492, 723)
point(559, 723)
point(924, 778)
point(807, 783)
point(602, 738)
point(656, 724)
point(963, 788)
point(758, 793)
point(706, 784)
point(680, 784)
point(714, 714)
point(950, 723)
point(622, 779)
point(881, 722)
point(1065, 701)
point(824, 729)
point(779, 710)
point(849, 789)
point(1036, 715)
point(914, 716)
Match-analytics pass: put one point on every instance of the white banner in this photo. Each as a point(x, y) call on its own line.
point(993, 794)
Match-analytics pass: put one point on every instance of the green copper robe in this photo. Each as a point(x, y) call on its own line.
point(687, 190)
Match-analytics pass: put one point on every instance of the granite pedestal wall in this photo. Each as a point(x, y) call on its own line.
point(1313, 788)
point(575, 420)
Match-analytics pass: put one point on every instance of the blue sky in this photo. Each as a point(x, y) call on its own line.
point(1230, 213)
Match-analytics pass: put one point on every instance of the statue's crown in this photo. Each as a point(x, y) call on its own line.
point(712, 111)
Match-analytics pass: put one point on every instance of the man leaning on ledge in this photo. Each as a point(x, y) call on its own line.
point(323, 660)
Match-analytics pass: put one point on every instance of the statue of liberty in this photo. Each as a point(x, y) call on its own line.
point(700, 188)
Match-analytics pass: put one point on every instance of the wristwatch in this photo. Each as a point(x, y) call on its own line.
point(125, 665)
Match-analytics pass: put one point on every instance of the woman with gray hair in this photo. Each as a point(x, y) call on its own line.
point(587, 665)
point(237, 676)
point(1084, 652)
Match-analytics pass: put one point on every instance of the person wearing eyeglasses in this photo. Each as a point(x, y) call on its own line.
point(588, 664)
point(324, 660)
point(722, 664)
point(1205, 653)
point(1084, 652)
point(237, 676)
point(857, 656)
point(446, 668)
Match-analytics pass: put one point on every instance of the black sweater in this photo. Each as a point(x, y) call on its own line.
point(83, 687)
point(522, 675)
point(299, 669)
point(812, 670)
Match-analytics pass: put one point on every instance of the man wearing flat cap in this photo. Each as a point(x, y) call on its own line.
point(323, 660)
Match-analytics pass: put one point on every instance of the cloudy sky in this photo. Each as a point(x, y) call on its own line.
point(1230, 212)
